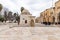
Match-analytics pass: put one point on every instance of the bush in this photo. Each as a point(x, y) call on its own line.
point(1, 18)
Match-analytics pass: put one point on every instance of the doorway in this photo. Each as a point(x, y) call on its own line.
point(59, 18)
point(25, 21)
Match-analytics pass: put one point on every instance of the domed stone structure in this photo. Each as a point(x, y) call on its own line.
point(25, 16)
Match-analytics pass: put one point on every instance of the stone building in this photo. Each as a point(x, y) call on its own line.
point(37, 20)
point(42, 17)
point(26, 17)
point(47, 16)
point(52, 14)
point(57, 12)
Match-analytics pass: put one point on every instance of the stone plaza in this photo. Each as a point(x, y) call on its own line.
point(12, 31)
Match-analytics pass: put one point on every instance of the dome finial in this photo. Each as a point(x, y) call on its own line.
point(22, 8)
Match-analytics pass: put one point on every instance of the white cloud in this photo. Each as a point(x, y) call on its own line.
point(34, 6)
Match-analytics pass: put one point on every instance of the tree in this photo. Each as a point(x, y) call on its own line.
point(18, 19)
point(15, 15)
point(10, 16)
point(1, 7)
point(1, 18)
point(5, 16)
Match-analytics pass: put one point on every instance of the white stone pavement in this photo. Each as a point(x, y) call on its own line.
point(28, 33)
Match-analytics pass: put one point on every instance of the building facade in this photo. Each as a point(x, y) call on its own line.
point(37, 20)
point(47, 16)
point(57, 12)
point(51, 14)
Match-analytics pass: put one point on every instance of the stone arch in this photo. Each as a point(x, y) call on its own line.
point(53, 19)
point(25, 21)
point(59, 17)
point(32, 23)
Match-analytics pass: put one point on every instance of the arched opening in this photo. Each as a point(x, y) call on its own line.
point(44, 20)
point(25, 21)
point(32, 20)
point(59, 18)
point(53, 19)
point(32, 23)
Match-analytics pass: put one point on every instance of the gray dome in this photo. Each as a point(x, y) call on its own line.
point(26, 12)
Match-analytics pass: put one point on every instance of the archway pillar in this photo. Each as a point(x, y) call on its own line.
point(56, 20)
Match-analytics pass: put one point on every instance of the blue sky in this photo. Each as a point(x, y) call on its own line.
point(34, 6)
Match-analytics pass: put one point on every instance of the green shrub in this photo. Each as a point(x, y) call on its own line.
point(1, 18)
